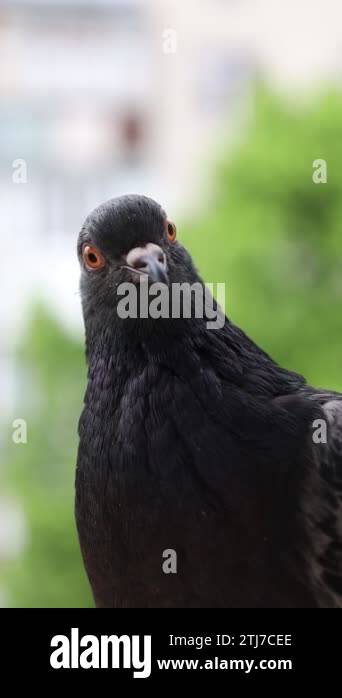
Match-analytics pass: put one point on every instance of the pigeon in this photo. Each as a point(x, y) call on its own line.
point(207, 475)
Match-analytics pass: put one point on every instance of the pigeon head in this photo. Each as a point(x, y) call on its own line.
point(126, 243)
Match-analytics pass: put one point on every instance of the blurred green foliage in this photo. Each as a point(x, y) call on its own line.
point(274, 237)
point(49, 572)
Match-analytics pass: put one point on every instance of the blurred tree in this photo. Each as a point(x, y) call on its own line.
point(49, 572)
point(274, 236)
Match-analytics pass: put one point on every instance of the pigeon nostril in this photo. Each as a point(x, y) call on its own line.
point(141, 263)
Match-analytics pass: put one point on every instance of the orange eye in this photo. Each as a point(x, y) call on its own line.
point(171, 231)
point(93, 259)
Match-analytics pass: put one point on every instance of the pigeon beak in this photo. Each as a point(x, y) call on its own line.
point(149, 261)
